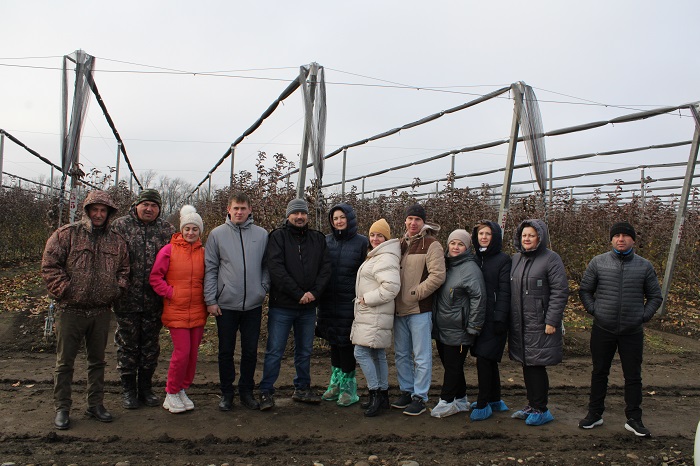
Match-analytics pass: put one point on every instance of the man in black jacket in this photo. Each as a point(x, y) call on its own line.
point(299, 269)
point(621, 291)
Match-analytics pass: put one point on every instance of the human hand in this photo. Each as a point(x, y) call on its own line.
point(214, 310)
point(549, 329)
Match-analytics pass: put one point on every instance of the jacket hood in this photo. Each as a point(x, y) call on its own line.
point(429, 229)
point(542, 231)
point(248, 222)
point(390, 246)
point(100, 197)
point(496, 244)
point(351, 229)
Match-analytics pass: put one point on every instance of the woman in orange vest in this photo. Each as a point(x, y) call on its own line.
point(178, 276)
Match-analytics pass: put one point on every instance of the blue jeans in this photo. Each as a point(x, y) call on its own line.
point(227, 325)
point(373, 363)
point(413, 350)
point(279, 323)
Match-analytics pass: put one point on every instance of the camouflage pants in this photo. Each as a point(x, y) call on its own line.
point(137, 342)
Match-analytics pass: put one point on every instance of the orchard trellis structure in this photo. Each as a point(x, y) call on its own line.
point(526, 117)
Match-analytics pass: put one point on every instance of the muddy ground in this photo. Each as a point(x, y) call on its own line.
point(294, 434)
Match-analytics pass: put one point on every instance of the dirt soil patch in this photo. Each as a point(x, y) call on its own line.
point(294, 433)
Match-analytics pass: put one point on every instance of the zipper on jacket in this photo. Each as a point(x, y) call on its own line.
point(619, 297)
point(245, 273)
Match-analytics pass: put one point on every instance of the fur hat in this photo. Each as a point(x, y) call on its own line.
point(381, 226)
point(462, 236)
point(297, 205)
point(416, 210)
point(149, 195)
point(625, 228)
point(189, 215)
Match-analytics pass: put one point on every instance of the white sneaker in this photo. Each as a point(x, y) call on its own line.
point(462, 404)
point(189, 404)
point(444, 409)
point(173, 403)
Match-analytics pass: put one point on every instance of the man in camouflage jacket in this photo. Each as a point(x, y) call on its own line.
point(86, 268)
point(138, 312)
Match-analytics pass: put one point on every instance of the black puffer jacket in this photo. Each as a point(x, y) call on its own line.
point(346, 250)
point(298, 262)
point(539, 292)
point(620, 291)
point(495, 266)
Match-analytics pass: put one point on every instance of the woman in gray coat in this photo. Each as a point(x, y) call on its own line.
point(459, 310)
point(539, 292)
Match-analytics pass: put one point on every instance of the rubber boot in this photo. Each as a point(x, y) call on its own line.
point(129, 398)
point(146, 395)
point(333, 390)
point(348, 389)
point(375, 404)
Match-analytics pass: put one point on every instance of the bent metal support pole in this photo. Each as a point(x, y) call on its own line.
point(682, 206)
point(517, 89)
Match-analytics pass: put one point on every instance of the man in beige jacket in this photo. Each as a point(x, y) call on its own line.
point(422, 273)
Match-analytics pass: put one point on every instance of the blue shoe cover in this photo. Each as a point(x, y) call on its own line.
point(538, 419)
point(473, 405)
point(499, 406)
point(481, 414)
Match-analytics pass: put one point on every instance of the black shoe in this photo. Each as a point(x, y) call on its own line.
point(403, 401)
point(266, 401)
point(416, 408)
point(100, 413)
point(130, 400)
point(635, 426)
point(375, 406)
point(306, 395)
point(147, 397)
point(590, 421)
point(226, 402)
point(384, 399)
point(249, 401)
point(62, 420)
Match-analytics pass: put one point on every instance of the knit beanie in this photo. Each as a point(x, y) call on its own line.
point(381, 226)
point(625, 228)
point(149, 195)
point(189, 215)
point(462, 236)
point(416, 210)
point(297, 205)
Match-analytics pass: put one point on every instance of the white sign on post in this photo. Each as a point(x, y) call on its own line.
point(73, 203)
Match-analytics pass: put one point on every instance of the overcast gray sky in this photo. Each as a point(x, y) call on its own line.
point(633, 54)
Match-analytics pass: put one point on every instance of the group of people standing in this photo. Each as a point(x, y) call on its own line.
point(358, 293)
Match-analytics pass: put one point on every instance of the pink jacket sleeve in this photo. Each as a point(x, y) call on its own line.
point(158, 271)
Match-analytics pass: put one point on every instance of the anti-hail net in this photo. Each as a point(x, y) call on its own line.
point(314, 96)
point(533, 136)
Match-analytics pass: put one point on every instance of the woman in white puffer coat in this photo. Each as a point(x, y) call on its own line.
point(377, 284)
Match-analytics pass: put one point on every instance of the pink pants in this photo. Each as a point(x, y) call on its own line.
point(183, 361)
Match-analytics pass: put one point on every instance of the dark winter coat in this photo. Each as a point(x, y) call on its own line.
point(346, 250)
point(144, 241)
point(85, 268)
point(495, 266)
point(539, 292)
point(298, 262)
point(621, 292)
point(460, 303)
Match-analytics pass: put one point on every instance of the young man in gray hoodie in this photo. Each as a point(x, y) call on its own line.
point(235, 284)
